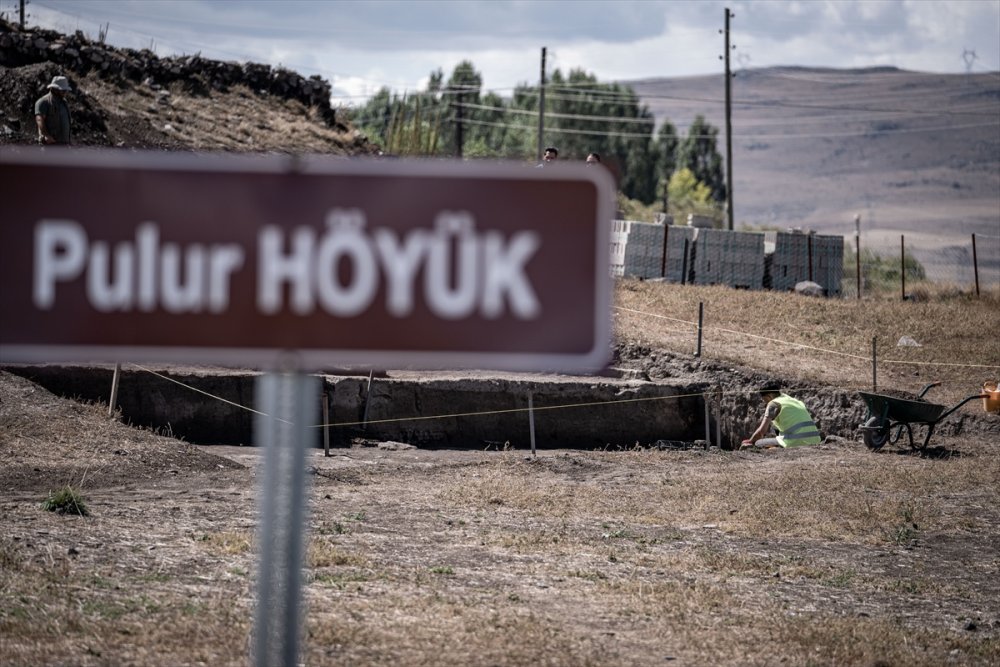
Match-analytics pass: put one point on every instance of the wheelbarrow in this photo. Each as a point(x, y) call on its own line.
point(888, 416)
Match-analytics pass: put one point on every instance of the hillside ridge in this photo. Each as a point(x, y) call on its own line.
point(135, 99)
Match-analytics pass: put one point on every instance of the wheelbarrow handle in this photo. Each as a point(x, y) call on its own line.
point(928, 387)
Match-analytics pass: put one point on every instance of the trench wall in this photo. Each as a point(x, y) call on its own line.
point(410, 411)
point(583, 413)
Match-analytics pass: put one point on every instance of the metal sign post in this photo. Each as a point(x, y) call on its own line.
point(285, 432)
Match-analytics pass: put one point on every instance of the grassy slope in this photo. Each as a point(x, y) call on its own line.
point(950, 331)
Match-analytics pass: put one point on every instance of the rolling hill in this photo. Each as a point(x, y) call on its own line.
point(909, 152)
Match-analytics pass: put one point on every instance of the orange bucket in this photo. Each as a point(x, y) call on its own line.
point(991, 397)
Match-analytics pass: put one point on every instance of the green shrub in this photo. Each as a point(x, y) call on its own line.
point(66, 501)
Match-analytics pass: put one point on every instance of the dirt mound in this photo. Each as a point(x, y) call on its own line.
point(131, 99)
point(20, 87)
point(49, 442)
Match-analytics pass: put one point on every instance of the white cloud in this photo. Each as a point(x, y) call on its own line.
point(361, 46)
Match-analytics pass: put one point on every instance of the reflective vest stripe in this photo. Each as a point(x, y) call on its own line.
point(794, 430)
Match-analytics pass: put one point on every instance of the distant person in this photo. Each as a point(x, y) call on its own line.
point(52, 114)
point(593, 158)
point(549, 155)
point(789, 417)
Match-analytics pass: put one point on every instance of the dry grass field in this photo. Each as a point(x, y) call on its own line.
point(831, 555)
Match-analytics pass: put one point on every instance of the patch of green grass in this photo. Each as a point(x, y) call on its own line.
point(66, 500)
point(841, 579)
point(340, 579)
point(228, 542)
point(192, 608)
point(321, 553)
point(443, 569)
point(906, 530)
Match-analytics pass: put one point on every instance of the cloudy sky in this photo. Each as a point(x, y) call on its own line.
point(360, 46)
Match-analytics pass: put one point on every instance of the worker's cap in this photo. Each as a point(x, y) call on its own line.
point(769, 388)
point(60, 82)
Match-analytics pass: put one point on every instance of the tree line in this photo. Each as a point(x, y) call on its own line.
point(655, 166)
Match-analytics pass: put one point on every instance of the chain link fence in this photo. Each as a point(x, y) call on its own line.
point(953, 269)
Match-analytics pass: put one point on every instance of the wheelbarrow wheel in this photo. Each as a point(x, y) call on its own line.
point(875, 434)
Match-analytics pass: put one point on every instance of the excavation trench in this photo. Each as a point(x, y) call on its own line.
point(463, 411)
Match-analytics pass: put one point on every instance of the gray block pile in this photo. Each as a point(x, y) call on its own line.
point(746, 260)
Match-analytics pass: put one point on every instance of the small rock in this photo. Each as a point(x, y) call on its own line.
point(906, 341)
point(394, 446)
point(809, 288)
point(73, 551)
point(971, 626)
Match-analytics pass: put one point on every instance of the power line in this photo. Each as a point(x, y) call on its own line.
point(816, 135)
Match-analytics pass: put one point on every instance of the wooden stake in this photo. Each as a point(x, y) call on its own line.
point(858, 263)
point(874, 365)
point(701, 318)
point(708, 425)
point(114, 390)
point(368, 391)
point(975, 263)
point(326, 423)
point(531, 422)
point(902, 266)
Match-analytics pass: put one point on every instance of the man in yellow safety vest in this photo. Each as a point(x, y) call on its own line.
point(789, 417)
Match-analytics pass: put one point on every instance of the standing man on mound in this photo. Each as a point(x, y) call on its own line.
point(52, 114)
point(789, 417)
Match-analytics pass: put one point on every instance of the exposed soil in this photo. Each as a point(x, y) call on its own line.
point(830, 555)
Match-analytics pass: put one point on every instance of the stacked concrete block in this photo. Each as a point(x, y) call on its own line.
point(676, 236)
point(637, 249)
point(619, 238)
point(798, 257)
point(729, 258)
point(644, 251)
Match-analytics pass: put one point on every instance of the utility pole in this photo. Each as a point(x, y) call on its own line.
point(458, 126)
point(541, 110)
point(729, 128)
point(968, 56)
point(22, 4)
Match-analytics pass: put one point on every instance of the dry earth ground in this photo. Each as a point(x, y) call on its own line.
point(826, 556)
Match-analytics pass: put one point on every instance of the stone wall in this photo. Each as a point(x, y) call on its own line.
point(78, 54)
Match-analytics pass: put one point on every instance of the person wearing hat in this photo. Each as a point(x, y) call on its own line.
point(52, 113)
point(789, 417)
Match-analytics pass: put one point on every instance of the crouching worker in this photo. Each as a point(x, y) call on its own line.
point(789, 417)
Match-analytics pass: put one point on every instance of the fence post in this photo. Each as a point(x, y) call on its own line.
point(874, 365)
point(902, 267)
point(857, 237)
point(701, 318)
point(975, 263)
point(809, 246)
point(684, 264)
point(663, 258)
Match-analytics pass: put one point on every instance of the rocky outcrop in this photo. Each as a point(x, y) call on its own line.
point(78, 54)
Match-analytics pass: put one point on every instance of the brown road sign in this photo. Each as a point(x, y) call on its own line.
point(238, 260)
